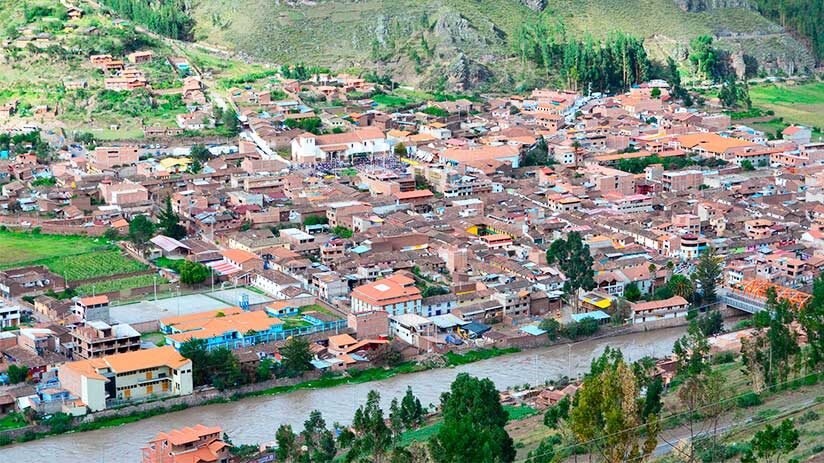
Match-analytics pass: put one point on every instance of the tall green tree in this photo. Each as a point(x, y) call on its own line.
point(296, 356)
point(192, 273)
point(473, 424)
point(372, 437)
point(169, 222)
point(681, 286)
point(318, 441)
point(574, 260)
point(707, 273)
point(141, 230)
point(412, 412)
point(607, 413)
point(286, 442)
point(200, 153)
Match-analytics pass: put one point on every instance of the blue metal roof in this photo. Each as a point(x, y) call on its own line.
point(598, 315)
point(534, 330)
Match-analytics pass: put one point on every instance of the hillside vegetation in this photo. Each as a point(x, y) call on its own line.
point(465, 43)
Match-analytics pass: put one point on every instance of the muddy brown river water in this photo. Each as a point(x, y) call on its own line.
point(255, 419)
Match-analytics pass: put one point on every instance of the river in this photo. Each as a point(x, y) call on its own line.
point(255, 419)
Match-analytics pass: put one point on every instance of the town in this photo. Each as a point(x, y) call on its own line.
point(295, 230)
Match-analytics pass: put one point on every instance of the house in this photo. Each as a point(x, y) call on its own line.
point(797, 134)
point(396, 294)
point(310, 148)
point(198, 444)
point(125, 192)
point(501, 153)
point(139, 57)
point(9, 316)
point(122, 378)
point(412, 329)
point(236, 260)
point(92, 308)
point(674, 307)
point(220, 330)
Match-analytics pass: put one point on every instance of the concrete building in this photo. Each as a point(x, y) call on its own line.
point(681, 180)
point(98, 339)
point(106, 157)
point(92, 308)
point(673, 307)
point(133, 376)
point(411, 328)
point(396, 294)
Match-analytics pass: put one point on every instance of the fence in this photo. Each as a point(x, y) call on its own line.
point(258, 338)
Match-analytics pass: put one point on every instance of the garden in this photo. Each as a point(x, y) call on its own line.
point(108, 286)
point(91, 265)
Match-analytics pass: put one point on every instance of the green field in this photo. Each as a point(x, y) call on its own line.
point(12, 421)
point(96, 264)
point(800, 104)
point(18, 249)
point(107, 286)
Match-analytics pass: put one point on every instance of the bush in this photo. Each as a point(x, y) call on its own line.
point(723, 357)
point(586, 327)
point(807, 417)
point(750, 399)
point(743, 325)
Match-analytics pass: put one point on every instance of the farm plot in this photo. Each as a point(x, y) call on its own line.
point(19, 249)
point(108, 286)
point(95, 264)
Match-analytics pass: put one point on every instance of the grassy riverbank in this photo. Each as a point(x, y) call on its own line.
point(326, 381)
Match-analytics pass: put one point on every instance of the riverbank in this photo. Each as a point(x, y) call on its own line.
point(254, 419)
point(34, 432)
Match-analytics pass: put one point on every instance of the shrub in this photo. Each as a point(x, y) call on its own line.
point(750, 399)
point(723, 357)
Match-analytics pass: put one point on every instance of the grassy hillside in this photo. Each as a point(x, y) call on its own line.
point(393, 36)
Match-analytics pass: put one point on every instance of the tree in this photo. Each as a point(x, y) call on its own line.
point(746, 164)
point(652, 398)
point(606, 412)
point(692, 351)
point(545, 452)
point(400, 149)
point(473, 424)
point(111, 234)
point(224, 368)
point(811, 317)
point(141, 230)
point(681, 286)
point(631, 292)
point(17, 373)
point(655, 93)
point(411, 410)
point(195, 350)
point(704, 57)
point(557, 412)
point(386, 355)
point(315, 220)
point(200, 153)
point(371, 435)
point(574, 260)
point(702, 396)
point(296, 356)
point(707, 272)
point(342, 232)
point(771, 443)
point(711, 323)
point(318, 440)
point(286, 442)
point(552, 328)
point(230, 123)
point(772, 353)
point(192, 273)
point(587, 326)
point(169, 222)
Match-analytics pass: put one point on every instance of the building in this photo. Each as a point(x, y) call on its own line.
point(674, 307)
point(310, 148)
point(396, 294)
point(122, 378)
point(122, 193)
point(9, 316)
point(99, 339)
point(92, 308)
point(681, 180)
point(797, 134)
point(221, 330)
point(107, 157)
point(411, 328)
point(198, 444)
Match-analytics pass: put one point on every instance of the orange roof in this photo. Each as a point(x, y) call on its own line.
point(653, 305)
point(200, 316)
point(712, 142)
point(480, 153)
point(341, 340)
point(94, 300)
point(187, 435)
point(758, 288)
point(390, 290)
point(130, 361)
point(414, 194)
point(209, 328)
point(239, 255)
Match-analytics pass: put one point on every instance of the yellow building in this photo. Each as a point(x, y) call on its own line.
point(133, 376)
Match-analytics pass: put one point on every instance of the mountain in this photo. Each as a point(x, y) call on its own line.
point(463, 44)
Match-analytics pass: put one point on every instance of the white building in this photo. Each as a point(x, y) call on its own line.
point(309, 148)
